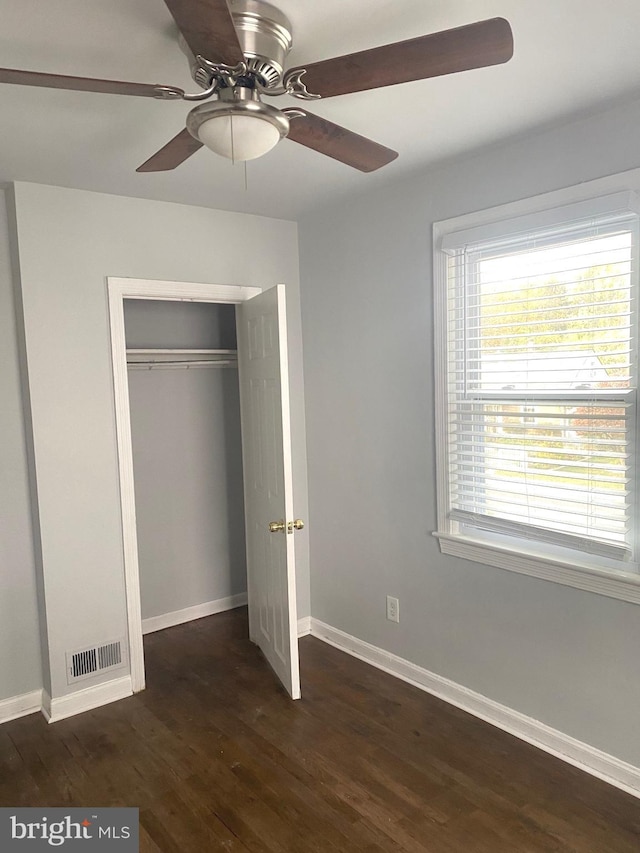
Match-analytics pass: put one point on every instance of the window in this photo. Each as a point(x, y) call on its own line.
point(537, 338)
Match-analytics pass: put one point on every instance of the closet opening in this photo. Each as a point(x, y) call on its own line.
point(178, 339)
point(182, 372)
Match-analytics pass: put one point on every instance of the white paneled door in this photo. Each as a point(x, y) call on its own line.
point(268, 485)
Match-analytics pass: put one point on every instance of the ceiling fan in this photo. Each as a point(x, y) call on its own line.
point(237, 51)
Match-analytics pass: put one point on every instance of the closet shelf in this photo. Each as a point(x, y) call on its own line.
point(147, 359)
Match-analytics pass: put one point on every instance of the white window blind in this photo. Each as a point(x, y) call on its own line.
point(542, 378)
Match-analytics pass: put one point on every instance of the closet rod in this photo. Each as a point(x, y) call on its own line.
point(178, 351)
point(179, 365)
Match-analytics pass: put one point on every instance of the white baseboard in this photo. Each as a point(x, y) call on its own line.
point(20, 706)
point(178, 617)
point(304, 626)
point(85, 700)
point(582, 755)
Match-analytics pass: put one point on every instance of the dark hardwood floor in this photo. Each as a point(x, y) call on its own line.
point(218, 758)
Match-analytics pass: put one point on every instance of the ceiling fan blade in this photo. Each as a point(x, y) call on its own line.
point(175, 152)
point(207, 27)
point(86, 84)
point(337, 142)
point(472, 46)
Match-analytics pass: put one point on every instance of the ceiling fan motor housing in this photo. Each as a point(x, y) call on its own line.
point(265, 37)
point(264, 34)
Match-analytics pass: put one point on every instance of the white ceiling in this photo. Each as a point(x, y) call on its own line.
point(572, 57)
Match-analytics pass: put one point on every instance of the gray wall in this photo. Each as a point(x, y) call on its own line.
point(68, 242)
point(565, 657)
point(187, 460)
point(155, 323)
point(20, 670)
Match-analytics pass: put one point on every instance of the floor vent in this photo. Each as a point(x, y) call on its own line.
point(85, 663)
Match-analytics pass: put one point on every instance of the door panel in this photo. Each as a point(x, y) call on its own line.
point(266, 451)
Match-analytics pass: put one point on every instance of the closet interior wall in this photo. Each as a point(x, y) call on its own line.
point(185, 426)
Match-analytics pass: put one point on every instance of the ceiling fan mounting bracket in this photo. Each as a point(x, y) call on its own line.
point(294, 85)
point(293, 112)
point(224, 75)
point(168, 93)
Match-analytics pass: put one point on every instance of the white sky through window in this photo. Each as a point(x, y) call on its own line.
point(508, 271)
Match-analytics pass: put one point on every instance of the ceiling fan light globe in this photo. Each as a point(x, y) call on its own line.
point(239, 137)
point(238, 125)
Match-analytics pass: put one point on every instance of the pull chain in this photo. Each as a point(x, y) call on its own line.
point(233, 156)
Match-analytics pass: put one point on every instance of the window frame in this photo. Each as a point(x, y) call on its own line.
point(552, 562)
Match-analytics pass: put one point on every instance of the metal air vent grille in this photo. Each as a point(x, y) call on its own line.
point(85, 663)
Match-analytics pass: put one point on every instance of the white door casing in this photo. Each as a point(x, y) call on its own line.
point(120, 289)
point(268, 481)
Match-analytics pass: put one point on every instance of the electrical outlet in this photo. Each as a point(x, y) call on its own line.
point(393, 609)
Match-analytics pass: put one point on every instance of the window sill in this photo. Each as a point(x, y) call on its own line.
point(624, 586)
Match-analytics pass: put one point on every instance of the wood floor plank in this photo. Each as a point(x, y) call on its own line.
point(218, 758)
point(180, 822)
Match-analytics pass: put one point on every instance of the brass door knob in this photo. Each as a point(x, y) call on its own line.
point(277, 526)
